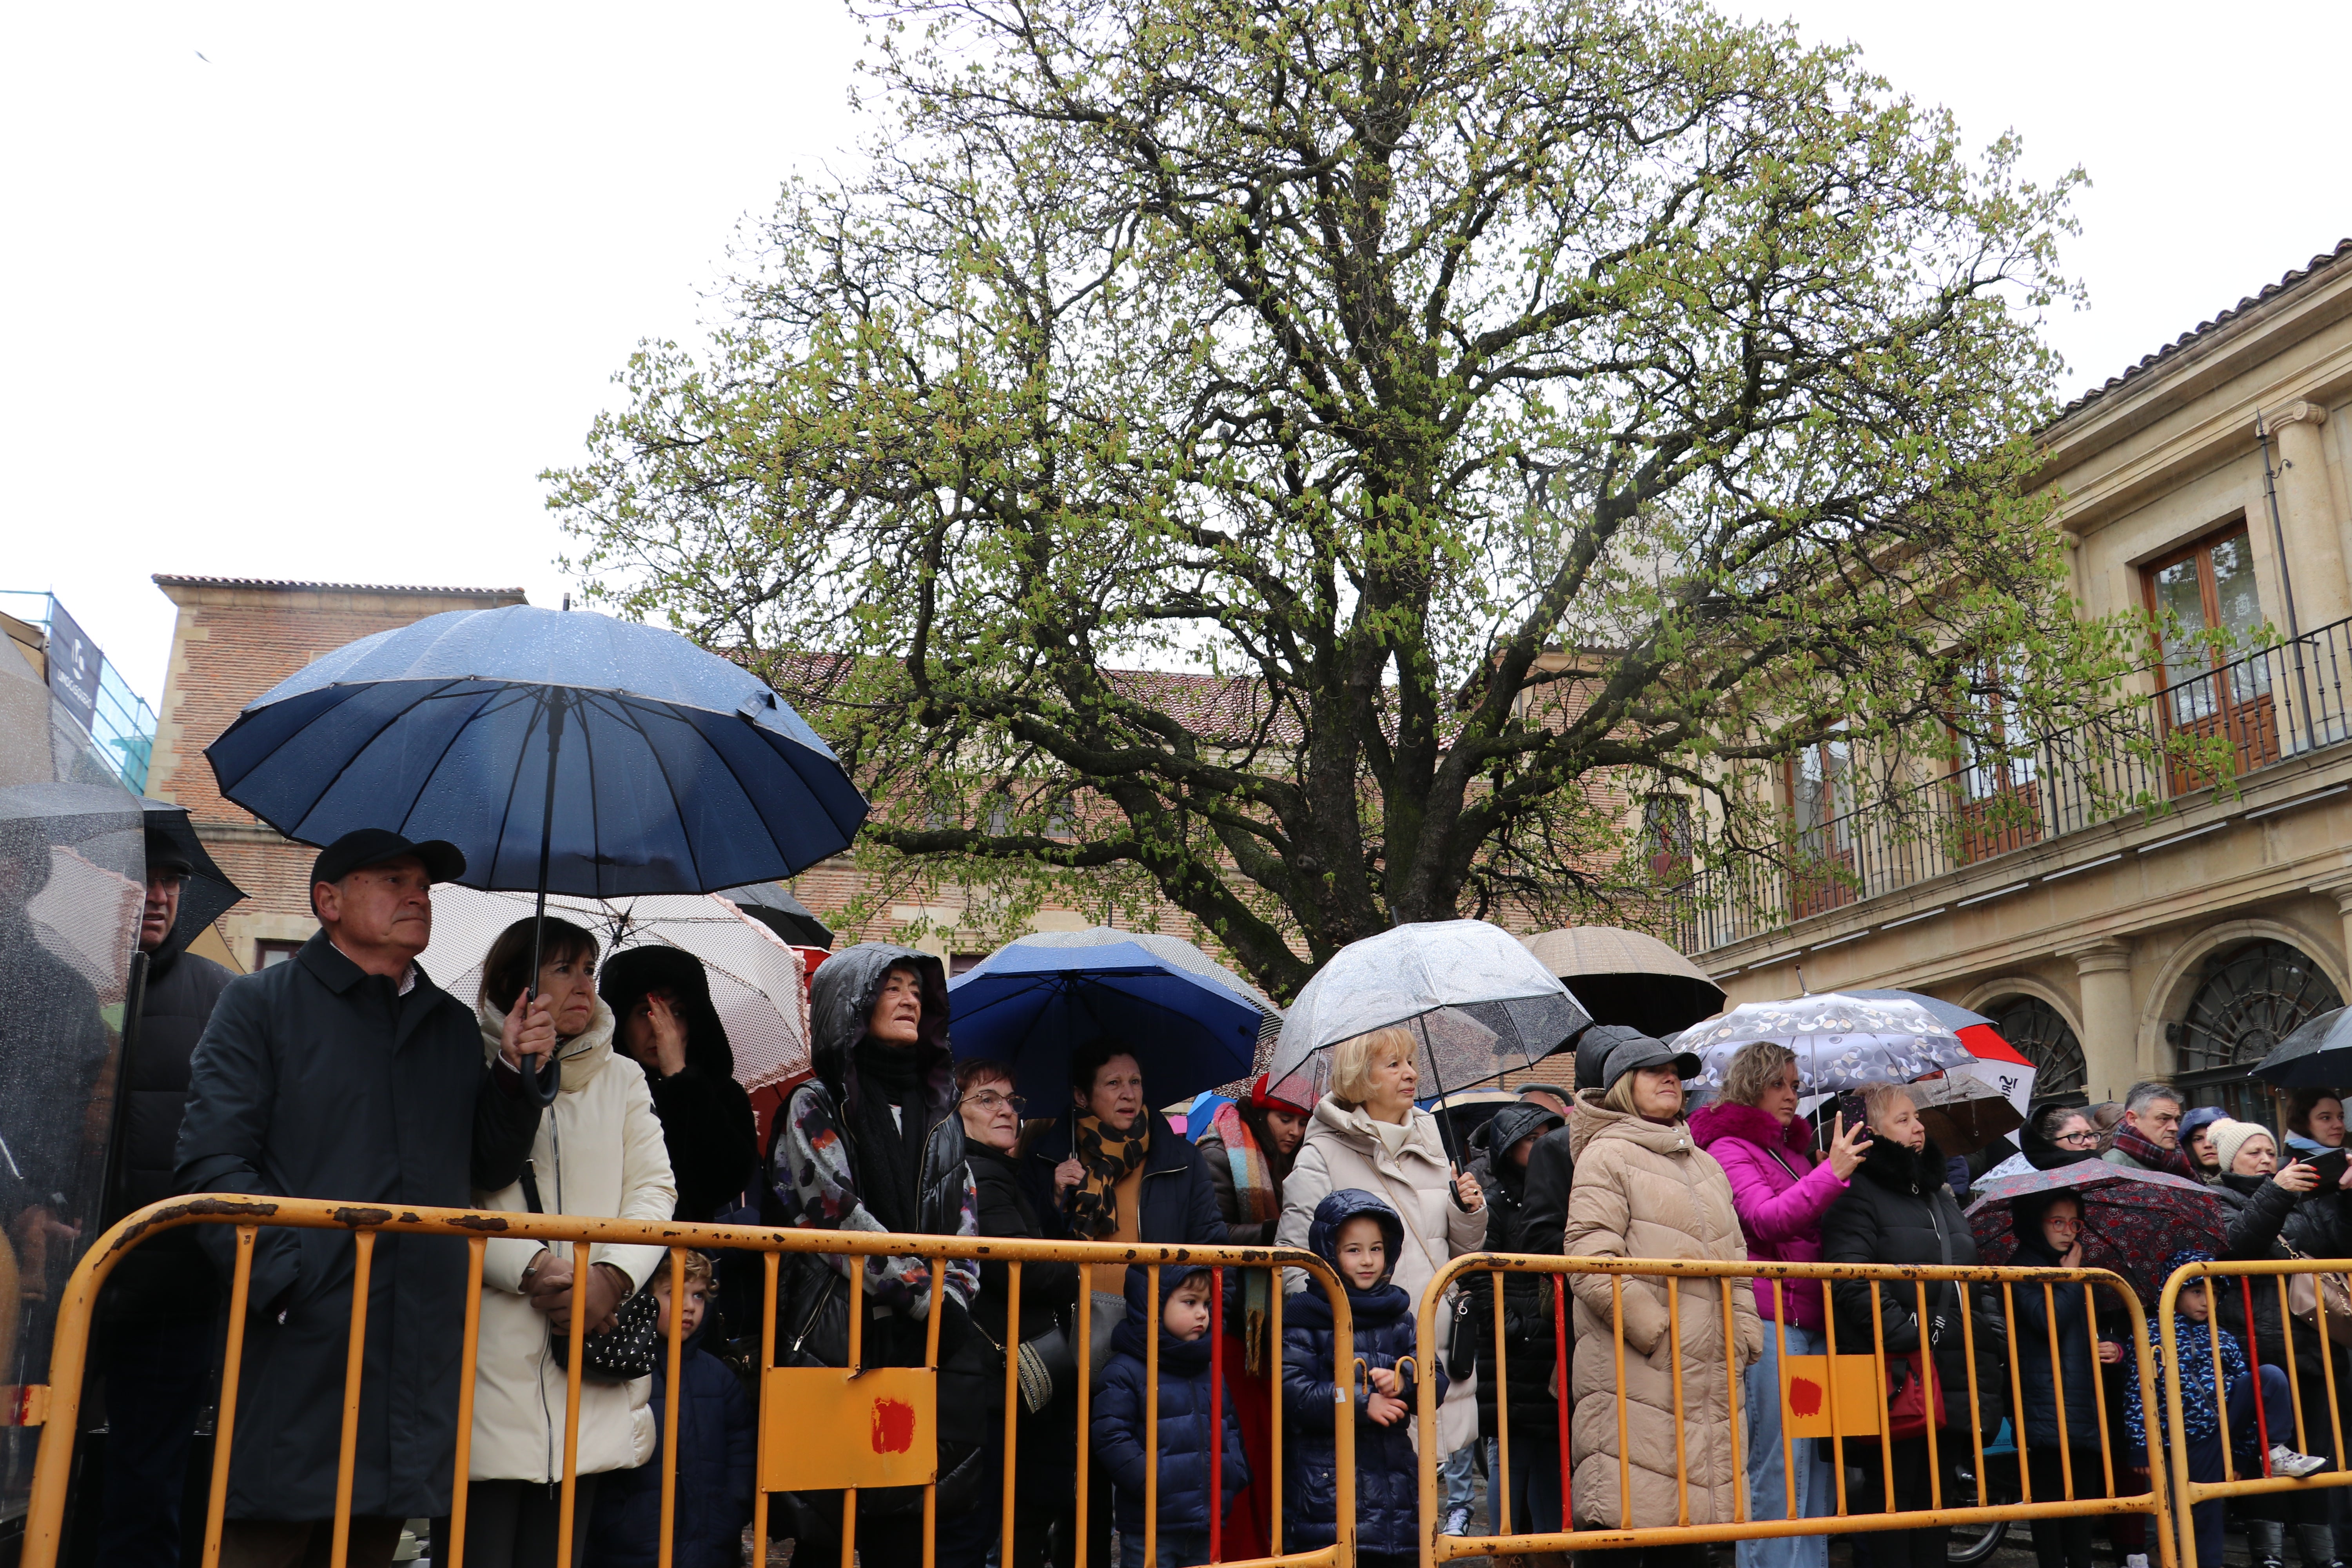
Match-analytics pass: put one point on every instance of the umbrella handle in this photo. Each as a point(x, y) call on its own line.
point(542, 1083)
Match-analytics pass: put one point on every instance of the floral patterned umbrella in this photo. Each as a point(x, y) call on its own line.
point(1842, 1042)
point(2132, 1219)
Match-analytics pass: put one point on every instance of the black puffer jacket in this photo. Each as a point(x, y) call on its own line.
point(2318, 1226)
point(168, 1280)
point(706, 1117)
point(2067, 1311)
point(1049, 1293)
point(1898, 1210)
point(1530, 1337)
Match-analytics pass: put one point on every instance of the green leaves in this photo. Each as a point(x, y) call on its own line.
point(1342, 363)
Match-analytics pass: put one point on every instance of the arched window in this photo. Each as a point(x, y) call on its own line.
point(2043, 1037)
point(2251, 996)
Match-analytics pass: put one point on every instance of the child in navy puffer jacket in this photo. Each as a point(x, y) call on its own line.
point(1181, 1318)
point(1360, 1236)
point(717, 1454)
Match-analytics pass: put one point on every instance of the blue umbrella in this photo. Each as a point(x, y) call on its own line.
point(561, 751)
point(1033, 1002)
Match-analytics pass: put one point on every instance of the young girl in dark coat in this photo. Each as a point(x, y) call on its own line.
point(1360, 1236)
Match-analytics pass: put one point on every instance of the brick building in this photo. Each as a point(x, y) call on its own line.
point(237, 637)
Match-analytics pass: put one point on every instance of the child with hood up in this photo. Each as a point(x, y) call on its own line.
point(1360, 1236)
point(1186, 1445)
point(2198, 1339)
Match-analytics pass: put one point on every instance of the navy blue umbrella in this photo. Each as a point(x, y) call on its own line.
point(1190, 1023)
point(561, 750)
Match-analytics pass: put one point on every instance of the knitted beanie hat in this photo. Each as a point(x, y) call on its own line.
point(2229, 1137)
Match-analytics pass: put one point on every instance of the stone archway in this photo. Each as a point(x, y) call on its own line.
point(2245, 997)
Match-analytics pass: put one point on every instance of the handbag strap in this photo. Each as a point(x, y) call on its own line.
point(530, 1187)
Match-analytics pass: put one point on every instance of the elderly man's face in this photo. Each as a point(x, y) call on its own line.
point(386, 908)
point(161, 909)
point(2159, 1123)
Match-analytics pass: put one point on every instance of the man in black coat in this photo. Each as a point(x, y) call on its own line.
point(156, 1328)
point(1506, 1147)
point(345, 1073)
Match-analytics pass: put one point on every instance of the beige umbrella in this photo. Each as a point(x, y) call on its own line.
point(1628, 977)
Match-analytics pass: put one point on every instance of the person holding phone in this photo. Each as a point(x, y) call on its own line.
point(2261, 1200)
point(1781, 1192)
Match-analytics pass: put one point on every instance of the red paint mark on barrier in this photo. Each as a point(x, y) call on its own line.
point(1804, 1397)
point(894, 1426)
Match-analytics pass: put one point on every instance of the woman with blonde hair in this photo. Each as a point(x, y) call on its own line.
point(1646, 1189)
point(1367, 1133)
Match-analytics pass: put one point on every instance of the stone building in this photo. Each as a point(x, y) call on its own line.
point(2212, 481)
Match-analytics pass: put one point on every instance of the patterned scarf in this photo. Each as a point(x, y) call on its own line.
point(2171, 1161)
point(1255, 1188)
point(1109, 1159)
point(1258, 1196)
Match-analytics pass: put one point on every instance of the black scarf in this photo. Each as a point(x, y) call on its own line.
point(888, 1153)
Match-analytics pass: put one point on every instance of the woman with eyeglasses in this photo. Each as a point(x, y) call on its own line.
point(2050, 1235)
point(2057, 1135)
point(1043, 1500)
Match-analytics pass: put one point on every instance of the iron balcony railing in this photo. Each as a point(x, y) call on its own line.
point(2193, 737)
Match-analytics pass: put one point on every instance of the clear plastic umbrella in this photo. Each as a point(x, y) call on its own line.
point(755, 976)
point(1842, 1042)
point(1480, 1002)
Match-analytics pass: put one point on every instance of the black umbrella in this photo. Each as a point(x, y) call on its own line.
point(773, 906)
point(205, 891)
point(2317, 1055)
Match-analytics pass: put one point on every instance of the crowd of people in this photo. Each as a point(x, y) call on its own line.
point(347, 1073)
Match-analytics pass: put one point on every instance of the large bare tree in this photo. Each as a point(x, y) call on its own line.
point(1474, 402)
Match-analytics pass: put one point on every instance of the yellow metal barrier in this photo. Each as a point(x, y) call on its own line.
point(791, 1398)
point(2250, 1279)
point(1855, 1389)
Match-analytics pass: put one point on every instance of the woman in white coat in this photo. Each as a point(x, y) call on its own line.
point(1367, 1133)
point(599, 1152)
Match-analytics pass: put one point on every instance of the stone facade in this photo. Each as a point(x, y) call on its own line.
point(2185, 942)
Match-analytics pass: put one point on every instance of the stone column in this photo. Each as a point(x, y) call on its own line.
point(2318, 542)
point(2110, 1045)
point(2342, 892)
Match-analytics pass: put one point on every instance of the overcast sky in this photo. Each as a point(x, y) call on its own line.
point(316, 291)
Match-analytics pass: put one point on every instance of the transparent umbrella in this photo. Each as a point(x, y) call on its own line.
point(1481, 1004)
point(1842, 1042)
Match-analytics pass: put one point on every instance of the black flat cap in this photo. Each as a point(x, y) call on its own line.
point(1635, 1052)
point(443, 861)
point(165, 853)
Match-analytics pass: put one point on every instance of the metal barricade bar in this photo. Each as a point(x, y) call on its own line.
point(45, 1520)
point(2326, 1322)
point(1845, 1417)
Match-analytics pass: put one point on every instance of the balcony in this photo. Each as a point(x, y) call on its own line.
point(2195, 737)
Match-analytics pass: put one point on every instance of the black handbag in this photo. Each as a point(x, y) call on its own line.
point(815, 1328)
point(630, 1349)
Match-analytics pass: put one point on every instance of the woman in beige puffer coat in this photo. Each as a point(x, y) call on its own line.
point(1367, 1133)
point(1645, 1190)
point(599, 1151)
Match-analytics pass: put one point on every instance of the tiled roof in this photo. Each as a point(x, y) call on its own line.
point(292, 584)
point(2317, 264)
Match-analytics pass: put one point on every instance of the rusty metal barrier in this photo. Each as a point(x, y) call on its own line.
point(2330, 1328)
point(790, 1399)
point(1854, 1389)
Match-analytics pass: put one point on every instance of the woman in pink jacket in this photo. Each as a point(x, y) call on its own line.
point(1780, 1193)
